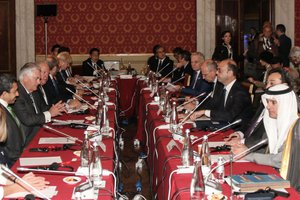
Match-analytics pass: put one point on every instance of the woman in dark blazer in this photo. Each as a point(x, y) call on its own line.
point(225, 50)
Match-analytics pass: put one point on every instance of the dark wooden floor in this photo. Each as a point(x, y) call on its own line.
point(128, 157)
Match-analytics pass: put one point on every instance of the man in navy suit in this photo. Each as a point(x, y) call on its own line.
point(233, 103)
point(197, 85)
point(93, 64)
point(15, 142)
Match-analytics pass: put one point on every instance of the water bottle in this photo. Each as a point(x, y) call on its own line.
point(220, 170)
point(96, 167)
point(85, 151)
point(173, 119)
point(205, 156)
point(197, 188)
point(187, 150)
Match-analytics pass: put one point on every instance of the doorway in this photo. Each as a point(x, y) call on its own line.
point(238, 16)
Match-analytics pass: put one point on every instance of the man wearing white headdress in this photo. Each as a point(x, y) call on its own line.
point(279, 117)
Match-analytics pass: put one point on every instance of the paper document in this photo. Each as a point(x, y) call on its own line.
point(56, 140)
point(34, 161)
point(171, 87)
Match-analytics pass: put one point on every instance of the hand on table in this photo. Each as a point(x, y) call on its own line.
point(197, 114)
point(37, 182)
point(238, 148)
point(190, 106)
point(74, 104)
point(233, 139)
point(57, 109)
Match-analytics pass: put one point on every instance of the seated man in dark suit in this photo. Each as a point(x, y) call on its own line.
point(198, 84)
point(184, 71)
point(15, 142)
point(29, 107)
point(93, 64)
point(159, 63)
point(233, 103)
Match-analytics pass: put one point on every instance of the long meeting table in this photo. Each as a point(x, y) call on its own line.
point(164, 161)
point(69, 157)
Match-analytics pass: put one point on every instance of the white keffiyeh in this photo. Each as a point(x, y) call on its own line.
point(278, 129)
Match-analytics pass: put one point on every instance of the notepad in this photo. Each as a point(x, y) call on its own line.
point(35, 161)
point(56, 140)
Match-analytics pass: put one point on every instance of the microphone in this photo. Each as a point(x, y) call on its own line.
point(161, 80)
point(81, 99)
point(238, 156)
point(220, 129)
point(182, 122)
point(10, 173)
point(157, 73)
point(85, 86)
point(62, 133)
point(98, 73)
point(24, 169)
point(178, 80)
point(192, 99)
point(62, 122)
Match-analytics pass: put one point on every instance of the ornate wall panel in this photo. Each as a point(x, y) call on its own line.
point(118, 26)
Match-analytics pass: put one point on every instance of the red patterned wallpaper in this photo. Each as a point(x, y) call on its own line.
point(119, 26)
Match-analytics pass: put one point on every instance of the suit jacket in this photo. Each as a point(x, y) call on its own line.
point(87, 67)
point(25, 111)
point(180, 72)
point(201, 86)
point(62, 85)
point(166, 67)
point(55, 96)
point(238, 106)
point(284, 49)
point(221, 53)
point(15, 142)
point(214, 98)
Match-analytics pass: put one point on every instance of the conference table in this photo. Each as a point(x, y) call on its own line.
point(68, 157)
point(164, 160)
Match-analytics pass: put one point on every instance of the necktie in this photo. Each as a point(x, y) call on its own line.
point(158, 66)
point(195, 79)
point(55, 86)
point(33, 103)
point(224, 96)
point(44, 94)
point(62, 75)
point(13, 114)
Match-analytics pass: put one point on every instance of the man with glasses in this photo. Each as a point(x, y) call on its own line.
point(30, 109)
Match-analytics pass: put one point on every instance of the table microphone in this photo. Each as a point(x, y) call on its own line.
point(24, 169)
point(62, 133)
point(10, 173)
point(98, 73)
point(161, 80)
point(157, 73)
point(62, 122)
point(85, 86)
point(192, 99)
point(183, 121)
point(81, 99)
point(220, 129)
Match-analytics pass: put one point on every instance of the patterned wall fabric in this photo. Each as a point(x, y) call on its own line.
point(119, 26)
